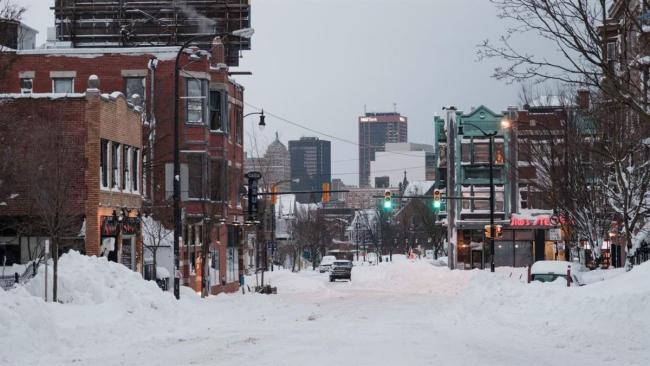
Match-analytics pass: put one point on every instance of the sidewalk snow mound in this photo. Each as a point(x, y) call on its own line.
point(92, 280)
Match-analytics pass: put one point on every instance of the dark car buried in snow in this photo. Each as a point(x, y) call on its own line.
point(341, 270)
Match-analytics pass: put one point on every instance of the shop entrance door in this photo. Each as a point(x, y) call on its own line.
point(128, 252)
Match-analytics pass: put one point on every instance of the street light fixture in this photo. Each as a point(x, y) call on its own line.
point(244, 33)
point(262, 123)
point(505, 124)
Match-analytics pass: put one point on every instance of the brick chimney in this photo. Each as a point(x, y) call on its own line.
point(218, 53)
point(583, 98)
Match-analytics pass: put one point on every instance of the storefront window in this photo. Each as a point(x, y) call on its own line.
point(232, 264)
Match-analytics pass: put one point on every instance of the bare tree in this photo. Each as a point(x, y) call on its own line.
point(9, 11)
point(580, 32)
point(427, 221)
point(625, 148)
point(50, 168)
point(570, 172)
point(312, 232)
point(155, 232)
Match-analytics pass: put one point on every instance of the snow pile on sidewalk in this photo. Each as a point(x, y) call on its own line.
point(93, 292)
point(95, 280)
point(579, 317)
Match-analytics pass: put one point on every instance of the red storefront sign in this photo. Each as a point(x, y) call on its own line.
point(542, 220)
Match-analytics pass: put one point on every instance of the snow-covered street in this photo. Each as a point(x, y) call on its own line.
point(400, 313)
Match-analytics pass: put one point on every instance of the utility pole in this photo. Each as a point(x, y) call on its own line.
point(451, 183)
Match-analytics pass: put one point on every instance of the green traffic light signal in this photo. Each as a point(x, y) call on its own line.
point(436, 205)
point(388, 200)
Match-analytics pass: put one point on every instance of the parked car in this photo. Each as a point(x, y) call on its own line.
point(326, 263)
point(549, 271)
point(341, 270)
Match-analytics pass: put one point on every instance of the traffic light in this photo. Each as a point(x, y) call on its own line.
point(326, 192)
point(498, 231)
point(388, 200)
point(488, 232)
point(274, 196)
point(437, 199)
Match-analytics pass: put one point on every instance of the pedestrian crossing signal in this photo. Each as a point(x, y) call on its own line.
point(498, 231)
point(388, 200)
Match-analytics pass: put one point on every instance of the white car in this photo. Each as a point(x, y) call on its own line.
point(549, 271)
point(326, 263)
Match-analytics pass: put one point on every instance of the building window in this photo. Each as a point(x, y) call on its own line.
point(103, 163)
point(481, 152)
point(214, 262)
point(612, 51)
point(218, 111)
point(523, 197)
point(195, 100)
point(115, 165)
point(232, 264)
point(239, 120)
point(467, 204)
point(126, 167)
point(466, 152)
point(135, 168)
point(217, 172)
point(481, 205)
point(134, 85)
point(26, 85)
point(499, 156)
point(195, 175)
point(63, 85)
point(499, 205)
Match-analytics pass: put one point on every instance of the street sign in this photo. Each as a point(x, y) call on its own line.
point(555, 234)
point(269, 244)
point(254, 175)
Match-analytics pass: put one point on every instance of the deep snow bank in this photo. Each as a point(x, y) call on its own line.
point(94, 292)
point(93, 280)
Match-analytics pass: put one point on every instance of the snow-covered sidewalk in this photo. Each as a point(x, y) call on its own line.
point(399, 313)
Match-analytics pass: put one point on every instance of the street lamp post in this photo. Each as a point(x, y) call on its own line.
point(244, 33)
point(490, 136)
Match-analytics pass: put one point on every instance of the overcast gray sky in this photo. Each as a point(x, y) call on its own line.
point(318, 62)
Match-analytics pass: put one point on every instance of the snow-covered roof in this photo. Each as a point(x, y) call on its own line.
point(285, 205)
point(531, 214)
point(364, 218)
point(161, 53)
point(551, 101)
point(41, 95)
point(418, 187)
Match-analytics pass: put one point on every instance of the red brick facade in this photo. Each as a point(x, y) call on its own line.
point(216, 148)
point(80, 121)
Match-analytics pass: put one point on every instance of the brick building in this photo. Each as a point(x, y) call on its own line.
point(77, 156)
point(211, 137)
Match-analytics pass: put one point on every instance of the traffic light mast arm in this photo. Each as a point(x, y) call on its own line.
point(295, 192)
point(443, 197)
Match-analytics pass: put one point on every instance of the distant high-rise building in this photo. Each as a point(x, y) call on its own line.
point(389, 165)
point(375, 130)
point(311, 166)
